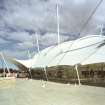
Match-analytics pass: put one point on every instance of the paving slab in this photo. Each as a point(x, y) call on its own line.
point(33, 92)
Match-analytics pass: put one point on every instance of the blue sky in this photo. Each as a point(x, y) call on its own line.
point(20, 19)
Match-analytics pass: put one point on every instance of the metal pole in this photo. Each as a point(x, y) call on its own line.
point(29, 56)
point(37, 42)
point(101, 32)
point(30, 72)
point(5, 62)
point(3, 68)
point(58, 21)
point(76, 68)
point(45, 70)
point(38, 49)
point(44, 84)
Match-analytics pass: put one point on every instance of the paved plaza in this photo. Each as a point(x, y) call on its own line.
point(31, 92)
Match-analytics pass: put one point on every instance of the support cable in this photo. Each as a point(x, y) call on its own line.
point(5, 62)
point(91, 15)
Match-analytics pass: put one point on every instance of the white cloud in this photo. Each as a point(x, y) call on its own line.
point(16, 54)
point(39, 15)
point(35, 14)
point(79, 2)
point(20, 36)
point(2, 41)
point(24, 45)
point(51, 39)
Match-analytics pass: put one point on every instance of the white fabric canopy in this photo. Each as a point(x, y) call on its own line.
point(71, 52)
point(81, 51)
